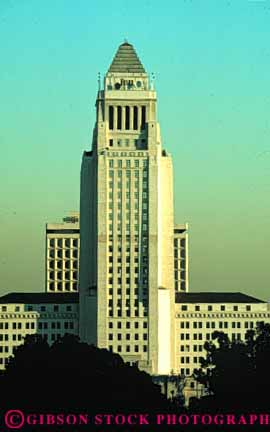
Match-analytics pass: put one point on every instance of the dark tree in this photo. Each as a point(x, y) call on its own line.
point(74, 375)
point(236, 374)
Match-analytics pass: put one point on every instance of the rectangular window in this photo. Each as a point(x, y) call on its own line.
point(135, 118)
point(111, 117)
point(143, 117)
point(119, 117)
point(127, 118)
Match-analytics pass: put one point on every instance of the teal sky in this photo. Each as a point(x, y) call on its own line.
point(212, 64)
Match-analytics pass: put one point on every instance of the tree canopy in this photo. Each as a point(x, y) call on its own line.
point(236, 373)
point(74, 375)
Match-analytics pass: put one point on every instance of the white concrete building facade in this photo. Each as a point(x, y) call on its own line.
point(126, 222)
point(62, 255)
point(22, 314)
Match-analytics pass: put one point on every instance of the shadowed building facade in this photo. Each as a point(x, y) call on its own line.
point(126, 222)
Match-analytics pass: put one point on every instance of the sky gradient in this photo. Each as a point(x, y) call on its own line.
point(211, 60)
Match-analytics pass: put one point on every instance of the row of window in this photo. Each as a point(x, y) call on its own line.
point(127, 281)
point(136, 184)
point(8, 337)
point(122, 216)
point(128, 348)
point(185, 371)
point(127, 227)
point(16, 309)
point(127, 312)
point(127, 325)
point(126, 117)
point(206, 336)
point(63, 265)
point(128, 336)
point(128, 303)
point(63, 253)
point(186, 348)
point(188, 360)
point(180, 264)
point(127, 163)
point(131, 153)
point(120, 259)
point(136, 207)
point(63, 275)
point(17, 325)
point(127, 142)
point(179, 254)
point(127, 249)
point(119, 196)
point(55, 308)
point(56, 325)
point(128, 173)
point(180, 275)
point(135, 238)
point(179, 242)
point(60, 286)
point(216, 324)
point(143, 269)
point(119, 249)
point(31, 325)
point(120, 291)
point(210, 308)
point(63, 243)
point(180, 285)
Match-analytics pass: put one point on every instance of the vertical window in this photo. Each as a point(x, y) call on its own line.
point(143, 117)
point(119, 118)
point(135, 118)
point(111, 117)
point(127, 119)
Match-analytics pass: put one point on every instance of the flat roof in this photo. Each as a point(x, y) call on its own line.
point(36, 298)
point(215, 297)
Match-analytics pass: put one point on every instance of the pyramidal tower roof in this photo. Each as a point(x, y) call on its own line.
point(126, 60)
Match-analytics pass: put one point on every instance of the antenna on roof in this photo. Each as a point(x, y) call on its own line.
point(99, 80)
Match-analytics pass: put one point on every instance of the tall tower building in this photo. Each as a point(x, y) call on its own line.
point(126, 222)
